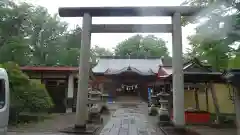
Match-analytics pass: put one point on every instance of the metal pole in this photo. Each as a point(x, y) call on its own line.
point(82, 94)
point(177, 62)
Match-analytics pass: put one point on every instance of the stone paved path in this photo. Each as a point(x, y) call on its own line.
point(130, 121)
point(16, 133)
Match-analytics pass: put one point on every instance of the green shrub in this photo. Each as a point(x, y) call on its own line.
point(26, 95)
point(38, 99)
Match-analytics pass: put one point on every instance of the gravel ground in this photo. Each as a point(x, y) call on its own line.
point(52, 125)
point(204, 130)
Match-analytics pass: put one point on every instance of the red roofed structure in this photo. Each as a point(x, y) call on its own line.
point(61, 83)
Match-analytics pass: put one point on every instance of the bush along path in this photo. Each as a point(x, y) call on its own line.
point(27, 96)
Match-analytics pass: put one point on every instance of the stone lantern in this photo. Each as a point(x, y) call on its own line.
point(94, 98)
point(154, 100)
point(94, 105)
point(163, 110)
point(152, 103)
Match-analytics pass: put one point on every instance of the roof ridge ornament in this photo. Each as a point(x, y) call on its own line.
point(129, 68)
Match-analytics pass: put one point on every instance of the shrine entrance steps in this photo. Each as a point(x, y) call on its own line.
point(130, 119)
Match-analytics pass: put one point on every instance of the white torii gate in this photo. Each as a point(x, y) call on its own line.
point(175, 28)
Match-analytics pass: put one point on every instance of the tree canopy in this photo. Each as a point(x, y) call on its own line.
point(139, 46)
point(29, 35)
point(216, 39)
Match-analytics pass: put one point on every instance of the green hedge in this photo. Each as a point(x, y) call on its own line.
point(26, 95)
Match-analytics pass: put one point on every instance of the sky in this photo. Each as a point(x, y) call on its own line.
point(110, 40)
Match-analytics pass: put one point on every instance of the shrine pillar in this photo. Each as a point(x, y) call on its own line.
point(70, 91)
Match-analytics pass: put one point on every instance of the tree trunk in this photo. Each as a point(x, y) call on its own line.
point(206, 95)
point(196, 99)
point(215, 102)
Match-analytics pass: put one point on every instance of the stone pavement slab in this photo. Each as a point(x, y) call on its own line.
point(129, 121)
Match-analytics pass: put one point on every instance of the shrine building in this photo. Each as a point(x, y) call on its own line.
point(122, 77)
point(118, 76)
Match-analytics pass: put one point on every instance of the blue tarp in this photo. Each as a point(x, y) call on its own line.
point(110, 100)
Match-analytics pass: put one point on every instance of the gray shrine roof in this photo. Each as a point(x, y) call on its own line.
point(129, 69)
point(147, 66)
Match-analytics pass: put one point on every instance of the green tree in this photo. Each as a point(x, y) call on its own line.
point(100, 51)
point(46, 36)
point(214, 37)
point(14, 23)
point(214, 52)
point(37, 37)
point(140, 46)
point(70, 48)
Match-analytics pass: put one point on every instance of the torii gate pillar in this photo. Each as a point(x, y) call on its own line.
point(177, 63)
point(82, 94)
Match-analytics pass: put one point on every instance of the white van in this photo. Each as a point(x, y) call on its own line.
point(4, 101)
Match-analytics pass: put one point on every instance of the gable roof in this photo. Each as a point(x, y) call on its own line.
point(143, 66)
point(193, 66)
point(194, 71)
point(129, 69)
point(196, 66)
